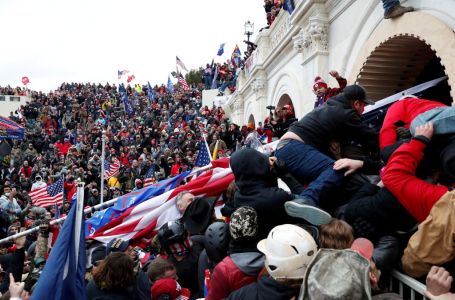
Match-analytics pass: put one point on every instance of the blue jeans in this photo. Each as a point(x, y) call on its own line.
point(389, 4)
point(208, 81)
point(443, 119)
point(307, 164)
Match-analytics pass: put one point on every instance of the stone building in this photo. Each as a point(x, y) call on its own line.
point(351, 36)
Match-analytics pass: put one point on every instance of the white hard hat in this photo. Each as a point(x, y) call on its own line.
point(288, 250)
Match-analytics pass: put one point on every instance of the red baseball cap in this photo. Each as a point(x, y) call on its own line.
point(364, 247)
point(170, 287)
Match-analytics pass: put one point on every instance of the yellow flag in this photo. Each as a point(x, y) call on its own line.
point(215, 151)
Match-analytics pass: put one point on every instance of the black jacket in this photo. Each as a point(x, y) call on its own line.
point(374, 212)
point(257, 187)
point(265, 289)
point(335, 120)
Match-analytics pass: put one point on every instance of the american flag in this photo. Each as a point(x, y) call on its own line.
point(180, 63)
point(142, 220)
point(121, 73)
point(203, 157)
point(111, 168)
point(183, 83)
point(149, 177)
point(48, 195)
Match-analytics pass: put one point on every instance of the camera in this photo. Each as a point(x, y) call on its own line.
point(270, 107)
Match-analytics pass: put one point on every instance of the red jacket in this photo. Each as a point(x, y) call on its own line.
point(416, 195)
point(226, 278)
point(63, 148)
point(27, 171)
point(331, 92)
point(404, 110)
point(70, 189)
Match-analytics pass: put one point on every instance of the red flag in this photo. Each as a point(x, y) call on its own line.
point(25, 80)
point(130, 78)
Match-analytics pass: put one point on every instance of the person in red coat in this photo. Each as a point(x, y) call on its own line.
point(243, 265)
point(401, 114)
point(26, 170)
point(415, 194)
point(323, 92)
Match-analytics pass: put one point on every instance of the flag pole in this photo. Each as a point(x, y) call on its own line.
point(79, 215)
point(103, 154)
point(86, 211)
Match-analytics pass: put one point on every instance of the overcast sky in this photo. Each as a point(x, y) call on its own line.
point(55, 41)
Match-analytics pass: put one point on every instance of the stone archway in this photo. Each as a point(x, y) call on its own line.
point(412, 49)
point(251, 119)
point(284, 99)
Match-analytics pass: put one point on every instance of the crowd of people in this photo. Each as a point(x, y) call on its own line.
point(360, 200)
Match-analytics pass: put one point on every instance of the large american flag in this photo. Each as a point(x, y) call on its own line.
point(48, 195)
point(142, 220)
point(111, 168)
point(183, 83)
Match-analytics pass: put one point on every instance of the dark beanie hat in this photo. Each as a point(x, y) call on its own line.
point(99, 253)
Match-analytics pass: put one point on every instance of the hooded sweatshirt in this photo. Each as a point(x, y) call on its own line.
point(257, 187)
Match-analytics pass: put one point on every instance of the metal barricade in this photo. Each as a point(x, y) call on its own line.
point(407, 287)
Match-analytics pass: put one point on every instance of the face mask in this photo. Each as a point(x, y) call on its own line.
point(7, 194)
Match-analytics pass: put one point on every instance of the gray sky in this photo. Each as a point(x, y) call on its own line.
point(55, 41)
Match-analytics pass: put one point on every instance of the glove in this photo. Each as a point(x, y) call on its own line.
point(403, 133)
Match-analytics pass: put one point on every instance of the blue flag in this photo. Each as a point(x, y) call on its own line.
point(289, 6)
point(151, 92)
point(221, 50)
point(63, 276)
point(170, 86)
point(128, 107)
point(101, 218)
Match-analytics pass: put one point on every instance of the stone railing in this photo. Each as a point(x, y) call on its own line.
point(279, 29)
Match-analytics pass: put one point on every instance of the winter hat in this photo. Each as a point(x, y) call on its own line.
point(169, 287)
point(99, 253)
point(251, 125)
point(318, 83)
point(244, 223)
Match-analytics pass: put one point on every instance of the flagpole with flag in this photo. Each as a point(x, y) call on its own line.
point(63, 276)
point(103, 156)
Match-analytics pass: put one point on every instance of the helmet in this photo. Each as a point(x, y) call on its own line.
point(288, 250)
point(172, 232)
point(216, 241)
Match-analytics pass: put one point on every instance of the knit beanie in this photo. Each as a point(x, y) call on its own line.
point(318, 83)
point(244, 223)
